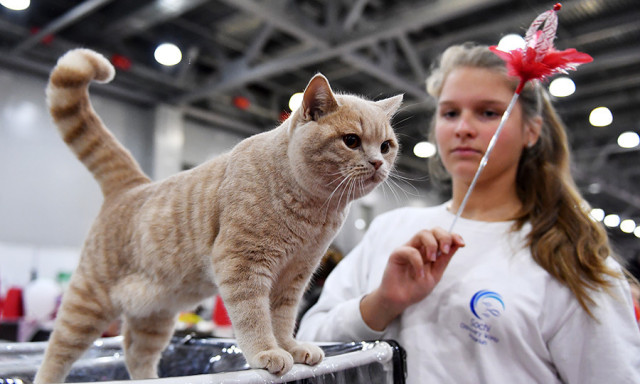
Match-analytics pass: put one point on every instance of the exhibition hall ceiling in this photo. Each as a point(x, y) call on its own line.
point(243, 59)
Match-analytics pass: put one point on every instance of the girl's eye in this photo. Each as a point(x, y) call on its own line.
point(491, 114)
point(449, 114)
point(384, 148)
point(352, 141)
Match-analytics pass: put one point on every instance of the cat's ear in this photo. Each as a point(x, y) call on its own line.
point(390, 105)
point(318, 99)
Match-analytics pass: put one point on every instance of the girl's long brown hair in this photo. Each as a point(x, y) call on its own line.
point(564, 240)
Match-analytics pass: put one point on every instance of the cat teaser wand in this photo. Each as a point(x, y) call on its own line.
point(536, 61)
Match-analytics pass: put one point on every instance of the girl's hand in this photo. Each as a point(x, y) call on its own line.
point(413, 270)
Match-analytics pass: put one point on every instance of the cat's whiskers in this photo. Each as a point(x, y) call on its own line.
point(349, 187)
point(397, 180)
point(340, 176)
point(392, 189)
point(345, 178)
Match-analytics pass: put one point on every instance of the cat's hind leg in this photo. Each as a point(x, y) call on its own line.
point(144, 340)
point(84, 314)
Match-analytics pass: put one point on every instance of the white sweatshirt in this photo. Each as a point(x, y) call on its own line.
point(495, 317)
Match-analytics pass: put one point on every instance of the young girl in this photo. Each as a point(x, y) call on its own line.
point(532, 294)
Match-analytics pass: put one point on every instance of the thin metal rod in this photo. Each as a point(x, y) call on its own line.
point(485, 158)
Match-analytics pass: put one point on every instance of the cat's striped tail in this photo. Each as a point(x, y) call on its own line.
point(111, 164)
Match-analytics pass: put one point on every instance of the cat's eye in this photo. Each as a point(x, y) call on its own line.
point(352, 141)
point(384, 148)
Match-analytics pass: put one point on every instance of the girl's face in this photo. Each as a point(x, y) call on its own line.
point(469, 110)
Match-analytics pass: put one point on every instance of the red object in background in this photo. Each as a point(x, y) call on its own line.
point(241, 102)
point(636, 310)
point(13, 308)
point(47, 39)
point(284, 115)
point(220, 316)
point(121, 62)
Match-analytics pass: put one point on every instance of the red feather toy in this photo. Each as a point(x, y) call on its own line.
point(539, 58)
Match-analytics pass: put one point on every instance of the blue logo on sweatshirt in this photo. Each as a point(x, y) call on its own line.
point(486, 304)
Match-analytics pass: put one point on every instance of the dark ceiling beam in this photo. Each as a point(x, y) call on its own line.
point(276, 17)
point(354, 15)
point(406, 21)
point(385, 75)
point(257, 44)
point(608, 28)
point(222, 121)
point(412, 58)
point(147, 17)
point(75, 14)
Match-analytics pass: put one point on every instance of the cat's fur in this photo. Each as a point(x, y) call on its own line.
point(251, 224)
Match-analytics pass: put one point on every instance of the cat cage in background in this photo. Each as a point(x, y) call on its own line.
point(198, 360)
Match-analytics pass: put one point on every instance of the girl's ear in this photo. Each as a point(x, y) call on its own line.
point(532, 131)
point(318, 99)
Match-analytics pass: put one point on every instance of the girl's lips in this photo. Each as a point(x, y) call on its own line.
point(465, 151)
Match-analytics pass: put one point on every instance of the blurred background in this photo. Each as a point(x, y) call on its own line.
point(194, 77)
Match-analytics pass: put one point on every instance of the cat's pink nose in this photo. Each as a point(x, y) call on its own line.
point(376, 164)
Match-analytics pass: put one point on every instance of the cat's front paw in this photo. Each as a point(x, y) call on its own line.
point(307, 354)
point(276, 361)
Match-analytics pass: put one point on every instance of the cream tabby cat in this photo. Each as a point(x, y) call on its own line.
point(251, 224)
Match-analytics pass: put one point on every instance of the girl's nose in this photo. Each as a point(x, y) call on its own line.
point(464, 127)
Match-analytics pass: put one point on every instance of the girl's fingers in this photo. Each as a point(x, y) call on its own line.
point(426, 242)
point(411, 256)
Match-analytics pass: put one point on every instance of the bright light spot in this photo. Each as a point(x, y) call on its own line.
point(636, 232)
point(424, 149)
point(597, 214)
point(360, 224)
point(16, 5)
point(168, 54)
point(562, 87)
point(628, 140)
point(611, 220)
point(511, 42)
point(600, 117)
point(295, 101)
point(627, 226)
point(594, 188)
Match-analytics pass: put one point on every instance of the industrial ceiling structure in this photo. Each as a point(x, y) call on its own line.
point(242, 60)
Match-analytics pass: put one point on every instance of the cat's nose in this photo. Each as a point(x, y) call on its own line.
point(376, 163)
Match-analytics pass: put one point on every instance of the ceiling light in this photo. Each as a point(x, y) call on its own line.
point(168, 54)
point(594, 188)
point(424, 149)
point(295, 101)
point(510, 42)
point(627, 226)
point(636, 232)
point(600, 117)
point(16, 5)
point(611, 220)
point(628, 140)
point(597, 214)
point(562, 87)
